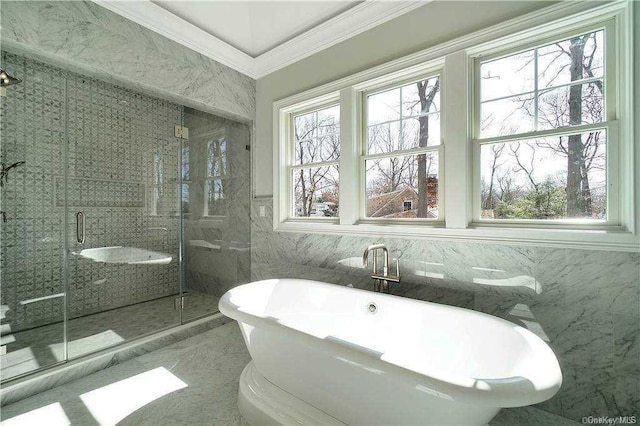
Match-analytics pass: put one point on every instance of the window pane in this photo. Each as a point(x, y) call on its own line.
point(185, 198)
point(507, 116)
point(185, 162)
point(403, 187)
point(554, 60)
point(421, 97)
point(306, 126)
point(316, 192)
point(508, 76)
point(560, 63)
point(571, 106)
point(421, 131)
point(384, 138)
point(217, 157)
point(215, 197)
point(384, 106)
point(549, 178)
point(329, 121)
point(419, 125)
point(317, 136)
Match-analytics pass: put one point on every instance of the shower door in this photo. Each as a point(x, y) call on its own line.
point(123, 215)
point(216, 191)
point(32, 297)
point(99, 186)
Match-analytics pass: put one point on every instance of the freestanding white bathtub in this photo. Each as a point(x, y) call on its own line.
point(338, 355)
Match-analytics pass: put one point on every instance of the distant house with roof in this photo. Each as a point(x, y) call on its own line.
point(403, 203)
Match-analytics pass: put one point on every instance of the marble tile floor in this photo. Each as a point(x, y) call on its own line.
point(43, 345)
point(191, 382)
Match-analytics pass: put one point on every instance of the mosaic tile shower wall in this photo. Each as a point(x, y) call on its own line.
point(122, 172)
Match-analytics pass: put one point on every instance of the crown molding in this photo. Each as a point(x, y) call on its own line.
point(352, 22)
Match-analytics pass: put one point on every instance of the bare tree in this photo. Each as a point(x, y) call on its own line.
point(426, 101)
point(578, 58)
point(583, 156)
point(410, 171)
point(488, 202)
point(317, 140)
point(393, 171)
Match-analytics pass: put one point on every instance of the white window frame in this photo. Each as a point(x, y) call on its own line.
point(288, 160)
point(427, 71)
point(458, 173)
point(610, 124)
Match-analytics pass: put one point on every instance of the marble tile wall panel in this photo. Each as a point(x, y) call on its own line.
point(583, 303)
point(84, 35)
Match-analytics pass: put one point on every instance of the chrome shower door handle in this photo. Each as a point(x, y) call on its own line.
point(80, 227)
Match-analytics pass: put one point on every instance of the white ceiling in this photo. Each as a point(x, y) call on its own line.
point(257, 37)
point(255, 27)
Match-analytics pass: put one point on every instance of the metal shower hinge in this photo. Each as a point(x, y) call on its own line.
point(182, 132)
point(178, 303)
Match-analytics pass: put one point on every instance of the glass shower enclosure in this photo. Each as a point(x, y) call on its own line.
point(121, 215)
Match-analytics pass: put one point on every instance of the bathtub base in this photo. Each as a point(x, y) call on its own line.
point(262, 403)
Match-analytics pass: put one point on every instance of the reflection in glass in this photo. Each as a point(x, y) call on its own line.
point(185, 198)
point(215, 197)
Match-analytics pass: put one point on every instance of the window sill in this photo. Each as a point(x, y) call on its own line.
point(600, 239)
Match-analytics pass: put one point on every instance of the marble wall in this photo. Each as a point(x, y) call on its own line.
point(583, 303)
point(217, 203)
point(86, 36)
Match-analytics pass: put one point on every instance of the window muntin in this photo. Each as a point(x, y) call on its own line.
point(536, 89)
point(528, 102)
point(402, 149)
point(216, 177)
point(315, 159)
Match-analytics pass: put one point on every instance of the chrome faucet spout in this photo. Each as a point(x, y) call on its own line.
point(373, 248)
point(381, 281)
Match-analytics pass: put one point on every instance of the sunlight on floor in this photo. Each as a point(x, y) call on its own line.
point(87, 345)
point(50, 415)
point(112, 403)
point(18, 362)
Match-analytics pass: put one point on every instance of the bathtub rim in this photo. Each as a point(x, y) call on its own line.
point(502, 392)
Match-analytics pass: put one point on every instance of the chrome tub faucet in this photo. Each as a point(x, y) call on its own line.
point(381, 281)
